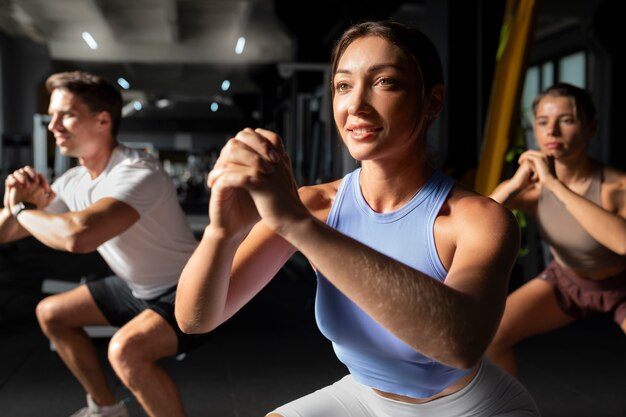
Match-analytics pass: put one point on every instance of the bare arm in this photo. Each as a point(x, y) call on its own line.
point(606, 225)
point(237, 256)
point(80, 231)
point(452, 322)
point(27, 185)
point(518, 192)
point(10, 229)
point(222, 276)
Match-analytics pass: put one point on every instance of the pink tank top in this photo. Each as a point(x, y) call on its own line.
point(569, 242)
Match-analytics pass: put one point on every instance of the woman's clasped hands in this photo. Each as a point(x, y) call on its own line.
point(534, 167)
point(252, 180)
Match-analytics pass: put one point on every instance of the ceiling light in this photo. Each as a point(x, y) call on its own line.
point(241, 43)
point(137, 105)
point(163, 103)
point(225, 85)
point(90, 40)
point(129, 109)
point(123, 83)
point(214, 107)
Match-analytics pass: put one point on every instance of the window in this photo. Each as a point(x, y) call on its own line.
point(572, 69)
point(568, 68)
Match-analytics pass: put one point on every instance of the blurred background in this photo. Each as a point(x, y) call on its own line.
point(194, 72)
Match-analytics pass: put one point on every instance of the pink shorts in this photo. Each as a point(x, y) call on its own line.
point(582, 298)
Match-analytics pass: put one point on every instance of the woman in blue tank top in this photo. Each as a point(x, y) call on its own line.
point(412, 268)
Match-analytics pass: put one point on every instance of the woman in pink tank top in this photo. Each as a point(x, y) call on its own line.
point(580, 206)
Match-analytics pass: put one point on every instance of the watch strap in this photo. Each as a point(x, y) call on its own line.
point(21, 206)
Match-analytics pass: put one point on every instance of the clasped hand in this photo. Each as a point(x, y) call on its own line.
point(26, 184)
point(252, 179)
point(535, 166)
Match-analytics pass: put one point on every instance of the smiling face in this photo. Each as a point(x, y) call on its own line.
point(78, 131)
point(376, 101)
point(558, 129)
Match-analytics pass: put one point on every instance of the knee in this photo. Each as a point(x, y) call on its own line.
point(128, 355)
point(122, 352)
point(47, 312)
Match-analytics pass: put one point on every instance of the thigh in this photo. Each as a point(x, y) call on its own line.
point(532, 309)
point(619, 314)
point(164, 306)
point(342, 399)
point(495, 393)
point(115, 300)
point(73, 308)
point(149, 334)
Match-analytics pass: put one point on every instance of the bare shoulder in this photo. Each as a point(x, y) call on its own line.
point(614, 190)
point(614, 178)
point(319, 198)
point(479, 214)
point(476, 228)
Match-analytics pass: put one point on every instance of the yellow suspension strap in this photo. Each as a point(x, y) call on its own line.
point(511, 59)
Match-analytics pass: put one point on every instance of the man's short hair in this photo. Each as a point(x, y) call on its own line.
point(97, 93)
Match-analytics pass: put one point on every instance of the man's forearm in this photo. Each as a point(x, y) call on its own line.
point(10, 229)
point(53, 230)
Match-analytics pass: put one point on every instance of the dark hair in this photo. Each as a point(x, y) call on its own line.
point(98, 94)
point(409, 39)
point(583, 103)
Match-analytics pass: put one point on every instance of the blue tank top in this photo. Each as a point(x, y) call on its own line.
point(373, 355)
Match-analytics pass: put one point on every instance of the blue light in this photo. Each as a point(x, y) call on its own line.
point(214, 107)
point(91, 42)
point(123, 83)
point(225, 85)
point(137, 105)
point(241, 43)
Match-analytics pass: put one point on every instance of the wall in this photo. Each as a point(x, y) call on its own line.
point(25, 66)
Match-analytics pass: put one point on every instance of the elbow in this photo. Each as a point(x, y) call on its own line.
point(466, 360)
point(192, 323)
point(621, 250)
point(465, 353)
point(187, 328)
point(78, 238)
point(193, 327)
point(78, 243)
point(462, 358)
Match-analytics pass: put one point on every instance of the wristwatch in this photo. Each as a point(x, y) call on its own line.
point(21, 206)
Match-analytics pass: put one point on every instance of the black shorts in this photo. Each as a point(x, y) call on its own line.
point(117, 303)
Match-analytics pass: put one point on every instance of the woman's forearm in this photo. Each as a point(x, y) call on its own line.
point(203, 285)
point(439, 321)
point(607, 228)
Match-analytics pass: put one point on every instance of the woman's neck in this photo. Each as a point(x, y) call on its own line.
point(388, 188)
point(575, 172)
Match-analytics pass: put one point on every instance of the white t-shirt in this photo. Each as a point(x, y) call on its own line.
point(150, 255)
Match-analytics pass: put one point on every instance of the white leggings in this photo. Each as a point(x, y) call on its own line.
point(491, 393)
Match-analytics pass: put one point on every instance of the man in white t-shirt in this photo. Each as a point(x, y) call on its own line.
point(120, 202)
